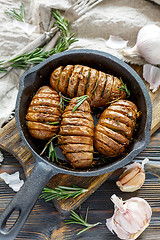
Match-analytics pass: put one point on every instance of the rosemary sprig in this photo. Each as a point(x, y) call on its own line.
point(80, 100)
point(52, 153)
point(18, 16)
point(25, 61)
point(48, 144)
point(61, 192)
point(124, 88)
point(62, 100)
point(76, 219)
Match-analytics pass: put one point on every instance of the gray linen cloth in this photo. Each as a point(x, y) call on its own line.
point(122, 18)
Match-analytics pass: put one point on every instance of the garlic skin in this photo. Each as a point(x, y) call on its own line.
point(147, 45)
point(130, 218)
point(152, 75)
point(116, 42)
point(133, 177)
point(12, 180)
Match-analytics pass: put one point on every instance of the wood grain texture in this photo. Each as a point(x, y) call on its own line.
point(44, 223)
point(10, 140)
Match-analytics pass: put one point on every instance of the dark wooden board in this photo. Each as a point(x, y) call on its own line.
point(10, 140)
point(44, 221)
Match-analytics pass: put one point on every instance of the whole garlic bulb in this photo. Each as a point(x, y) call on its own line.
point(130, 218)
point(147, 45)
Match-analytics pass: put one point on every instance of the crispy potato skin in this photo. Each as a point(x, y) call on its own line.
point(76, 135)
point(115, 128)
point(78, 80)
point(44, 109)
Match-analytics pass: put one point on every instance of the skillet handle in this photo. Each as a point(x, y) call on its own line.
point(25, 199)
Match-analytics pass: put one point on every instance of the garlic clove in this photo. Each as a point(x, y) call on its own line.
point(152, 75)
point(133, 184)
point(131, 52)
point(129, 174)
point(136, 235)
point(130, 218)
point(121, 233)
point(133, 177)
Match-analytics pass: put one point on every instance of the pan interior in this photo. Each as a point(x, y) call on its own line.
point(41, 74)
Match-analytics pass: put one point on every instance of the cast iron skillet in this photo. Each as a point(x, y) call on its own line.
point(25, 199)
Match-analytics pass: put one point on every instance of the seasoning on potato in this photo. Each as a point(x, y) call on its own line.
point(78, 80)
point(115, 128)
point(85, 89)
point(43, 116)
point(76, 134)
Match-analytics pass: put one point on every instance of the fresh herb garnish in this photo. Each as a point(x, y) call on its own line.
point(3, 69)
point(118, 122)
point(76, 219)
point(124, 88)
point(61, 192)
point(62, 100)
point(18, 16)
point(25, 61)
point(52, 153)
point(47, 144)
point(95, 87)
point(80, 100)
point(51, 123)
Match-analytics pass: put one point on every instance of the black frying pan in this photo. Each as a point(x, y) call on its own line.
point(25, 199)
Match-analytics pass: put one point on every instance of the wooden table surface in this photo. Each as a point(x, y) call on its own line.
point(45, 223)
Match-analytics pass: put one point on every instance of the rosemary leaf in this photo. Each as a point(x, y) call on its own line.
point(52, 153)
point(118, 122)
point(62, 100)
point(80, 101)
point(61, 192)
point(15, 15)
point(22, 10)
point(61, 22)
point(51, 123)
point(95, 87)
point(65, 99)
point(76, 219)
point(2, 70)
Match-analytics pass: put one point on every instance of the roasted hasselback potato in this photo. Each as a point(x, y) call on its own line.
point(76, 134)
point(43, 114)
point(78, 80)
point(115, 128)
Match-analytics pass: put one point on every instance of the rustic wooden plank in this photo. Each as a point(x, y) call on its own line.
point(44, 218)
point(10, 140)
point(90, 183)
